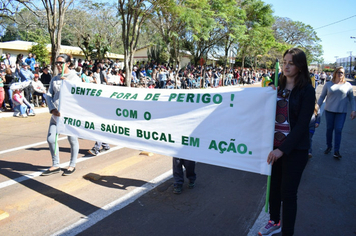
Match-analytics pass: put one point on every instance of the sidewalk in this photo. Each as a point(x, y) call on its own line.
point(38, 110)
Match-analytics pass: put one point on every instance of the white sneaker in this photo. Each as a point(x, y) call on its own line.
point(24, 116)
point(16, 114)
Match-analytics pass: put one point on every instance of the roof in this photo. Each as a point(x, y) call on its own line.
point(25, 45)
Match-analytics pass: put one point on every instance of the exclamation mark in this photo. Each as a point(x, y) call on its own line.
point(232, 99)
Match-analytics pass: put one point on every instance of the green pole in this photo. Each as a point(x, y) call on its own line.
point(56, 139)
point(269, 177)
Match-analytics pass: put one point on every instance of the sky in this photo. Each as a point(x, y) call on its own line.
point(335, 38)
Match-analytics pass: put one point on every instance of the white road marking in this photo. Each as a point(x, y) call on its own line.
point(38, 173)
point(114, 206)
point(26, 146)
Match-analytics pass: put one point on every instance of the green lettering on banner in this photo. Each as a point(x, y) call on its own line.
point(154, 97)
point(126, 113)
point(213, 145)
point(89, 125)
point(181, 97)
point(185, 140)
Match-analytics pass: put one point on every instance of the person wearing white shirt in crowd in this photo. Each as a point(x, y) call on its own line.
point(10, 63)
point(39, 90)
point(96, 76)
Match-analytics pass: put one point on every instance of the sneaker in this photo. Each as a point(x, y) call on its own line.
point(191, 185)
point(270, 229)
point(327, 150)
point(177, 189)
point(337, 155)
point(23, 116)
point(31, 114)
point(50, 172)
point(16, 114)
point(93, 152)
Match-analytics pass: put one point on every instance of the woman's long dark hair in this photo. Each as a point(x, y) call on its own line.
point(66, 57)
point(300, 60)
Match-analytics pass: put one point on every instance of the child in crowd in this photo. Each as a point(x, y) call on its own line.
point(314, 123)
point(21, 105)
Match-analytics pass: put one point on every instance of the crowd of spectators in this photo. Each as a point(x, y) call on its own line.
point(110, 72)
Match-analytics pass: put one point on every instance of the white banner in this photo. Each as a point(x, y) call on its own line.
point(230, 127)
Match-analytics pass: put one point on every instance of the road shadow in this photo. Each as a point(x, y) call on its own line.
point(8, 169)
point(61, 149)
point(115, 181)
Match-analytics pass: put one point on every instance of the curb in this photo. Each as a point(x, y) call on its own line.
point(10, 114)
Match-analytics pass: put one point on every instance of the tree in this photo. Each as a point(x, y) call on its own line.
point(232, 28)
point(298, 34)
point(258, 19)
point(94, 28)
point(40, 48)
point(133, 14)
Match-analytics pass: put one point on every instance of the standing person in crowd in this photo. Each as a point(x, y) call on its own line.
point(9, 77)
point(96, 76)
point(18, 65)
point(31, 61)
point(53, 103)
point(162, 77)
point(338, 94)
point(103, 74)
point(329, 77)
point(9, 63)
point(178, 174)
point(26, 76)
point(295, 107)
point(322, 77)
point(46, 77)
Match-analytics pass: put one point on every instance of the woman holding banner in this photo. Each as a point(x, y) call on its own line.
point(62, 63)
point(295, 106)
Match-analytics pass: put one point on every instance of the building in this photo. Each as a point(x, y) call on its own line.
point(347, 63)
point(17, 47)
point(141, 55)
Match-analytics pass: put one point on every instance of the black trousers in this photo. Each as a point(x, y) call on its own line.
point(178, 174)
point(27, 93)
point(286, 174)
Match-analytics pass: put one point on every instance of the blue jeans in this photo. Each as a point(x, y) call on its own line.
point(21, 108)
point(10, 97)
point(334, 121)
point(178, 170)
point(73, 141)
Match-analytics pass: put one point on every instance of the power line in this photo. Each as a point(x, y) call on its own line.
point(335, 22)
point(337, 32)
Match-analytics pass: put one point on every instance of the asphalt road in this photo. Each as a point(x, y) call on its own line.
point(131, 194)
